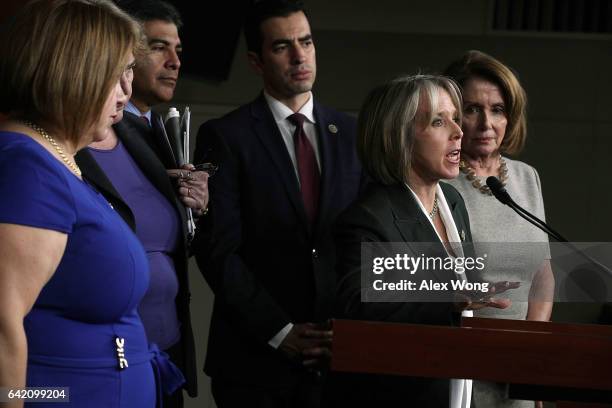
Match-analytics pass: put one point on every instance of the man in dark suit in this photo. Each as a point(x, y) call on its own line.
point(129, 167)
point(266, 248)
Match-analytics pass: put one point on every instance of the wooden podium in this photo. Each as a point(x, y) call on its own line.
point(565, 363)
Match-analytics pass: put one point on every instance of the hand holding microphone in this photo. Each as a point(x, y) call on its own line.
point(192, 185)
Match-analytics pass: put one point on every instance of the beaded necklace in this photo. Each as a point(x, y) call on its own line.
point(470, 174)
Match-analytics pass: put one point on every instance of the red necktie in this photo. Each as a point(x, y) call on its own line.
point(145, 120)
point(308, 169)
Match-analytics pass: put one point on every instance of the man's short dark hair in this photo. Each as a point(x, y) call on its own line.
point(149, 10)
point(262, 10)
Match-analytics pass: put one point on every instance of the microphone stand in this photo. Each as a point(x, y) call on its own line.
point(537, 222)
point(498, 190)
point(502, 195)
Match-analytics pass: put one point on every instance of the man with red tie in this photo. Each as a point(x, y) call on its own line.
point(287, 168)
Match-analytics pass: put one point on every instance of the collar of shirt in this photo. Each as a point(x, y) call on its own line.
point(130, 107)
point(280, 111)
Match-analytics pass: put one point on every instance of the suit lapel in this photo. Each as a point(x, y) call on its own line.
point(148, 162)
point(153, 136)
point(416, 228)
point(457, 211)
point(409, 219)
point(328, 151)
point(95, 175)
point(267, 131)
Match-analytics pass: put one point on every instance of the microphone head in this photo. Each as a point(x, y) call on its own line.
point(498, 190)
point(172, 113)
point(173, 131)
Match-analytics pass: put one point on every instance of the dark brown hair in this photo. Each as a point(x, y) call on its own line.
point(476, 64)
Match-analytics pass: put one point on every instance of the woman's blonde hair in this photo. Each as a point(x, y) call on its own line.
point(387, 122)
point(60, 59)
point(477, 64)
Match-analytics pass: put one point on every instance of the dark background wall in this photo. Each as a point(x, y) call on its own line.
point(363, 43)
point(360, 44)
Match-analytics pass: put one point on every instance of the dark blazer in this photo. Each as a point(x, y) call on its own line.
point(142, 143)
point(391, 214)
point(265, 263)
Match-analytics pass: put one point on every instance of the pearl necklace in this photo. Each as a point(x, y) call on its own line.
point(470, 174)
point(69, 162)
point(434, 210)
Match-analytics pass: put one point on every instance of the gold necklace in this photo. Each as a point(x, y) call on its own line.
point(470, 174)
point(69, 162)
point(434, 210)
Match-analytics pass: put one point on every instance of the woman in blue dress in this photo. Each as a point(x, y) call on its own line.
point(71, 271)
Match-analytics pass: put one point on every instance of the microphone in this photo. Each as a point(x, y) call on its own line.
point(180, 148)
point(498, 190)
point(173, 130)
point(185, 126)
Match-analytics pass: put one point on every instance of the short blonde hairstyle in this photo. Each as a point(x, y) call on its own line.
point(477, 64)
point(387, 123)
point(60, 59)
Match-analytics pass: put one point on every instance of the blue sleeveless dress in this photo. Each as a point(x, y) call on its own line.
point(84, 331)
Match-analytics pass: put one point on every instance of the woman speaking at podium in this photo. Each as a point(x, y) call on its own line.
point(409, 138)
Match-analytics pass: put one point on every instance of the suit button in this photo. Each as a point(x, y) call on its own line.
point(315, 254)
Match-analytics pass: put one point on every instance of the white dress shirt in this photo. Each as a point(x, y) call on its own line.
point(281, 112)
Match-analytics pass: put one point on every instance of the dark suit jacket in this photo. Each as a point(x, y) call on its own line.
point(266, 265)
point(391, 214)
point(143, 145)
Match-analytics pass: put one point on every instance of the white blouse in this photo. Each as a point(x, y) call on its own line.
point(461, 389)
